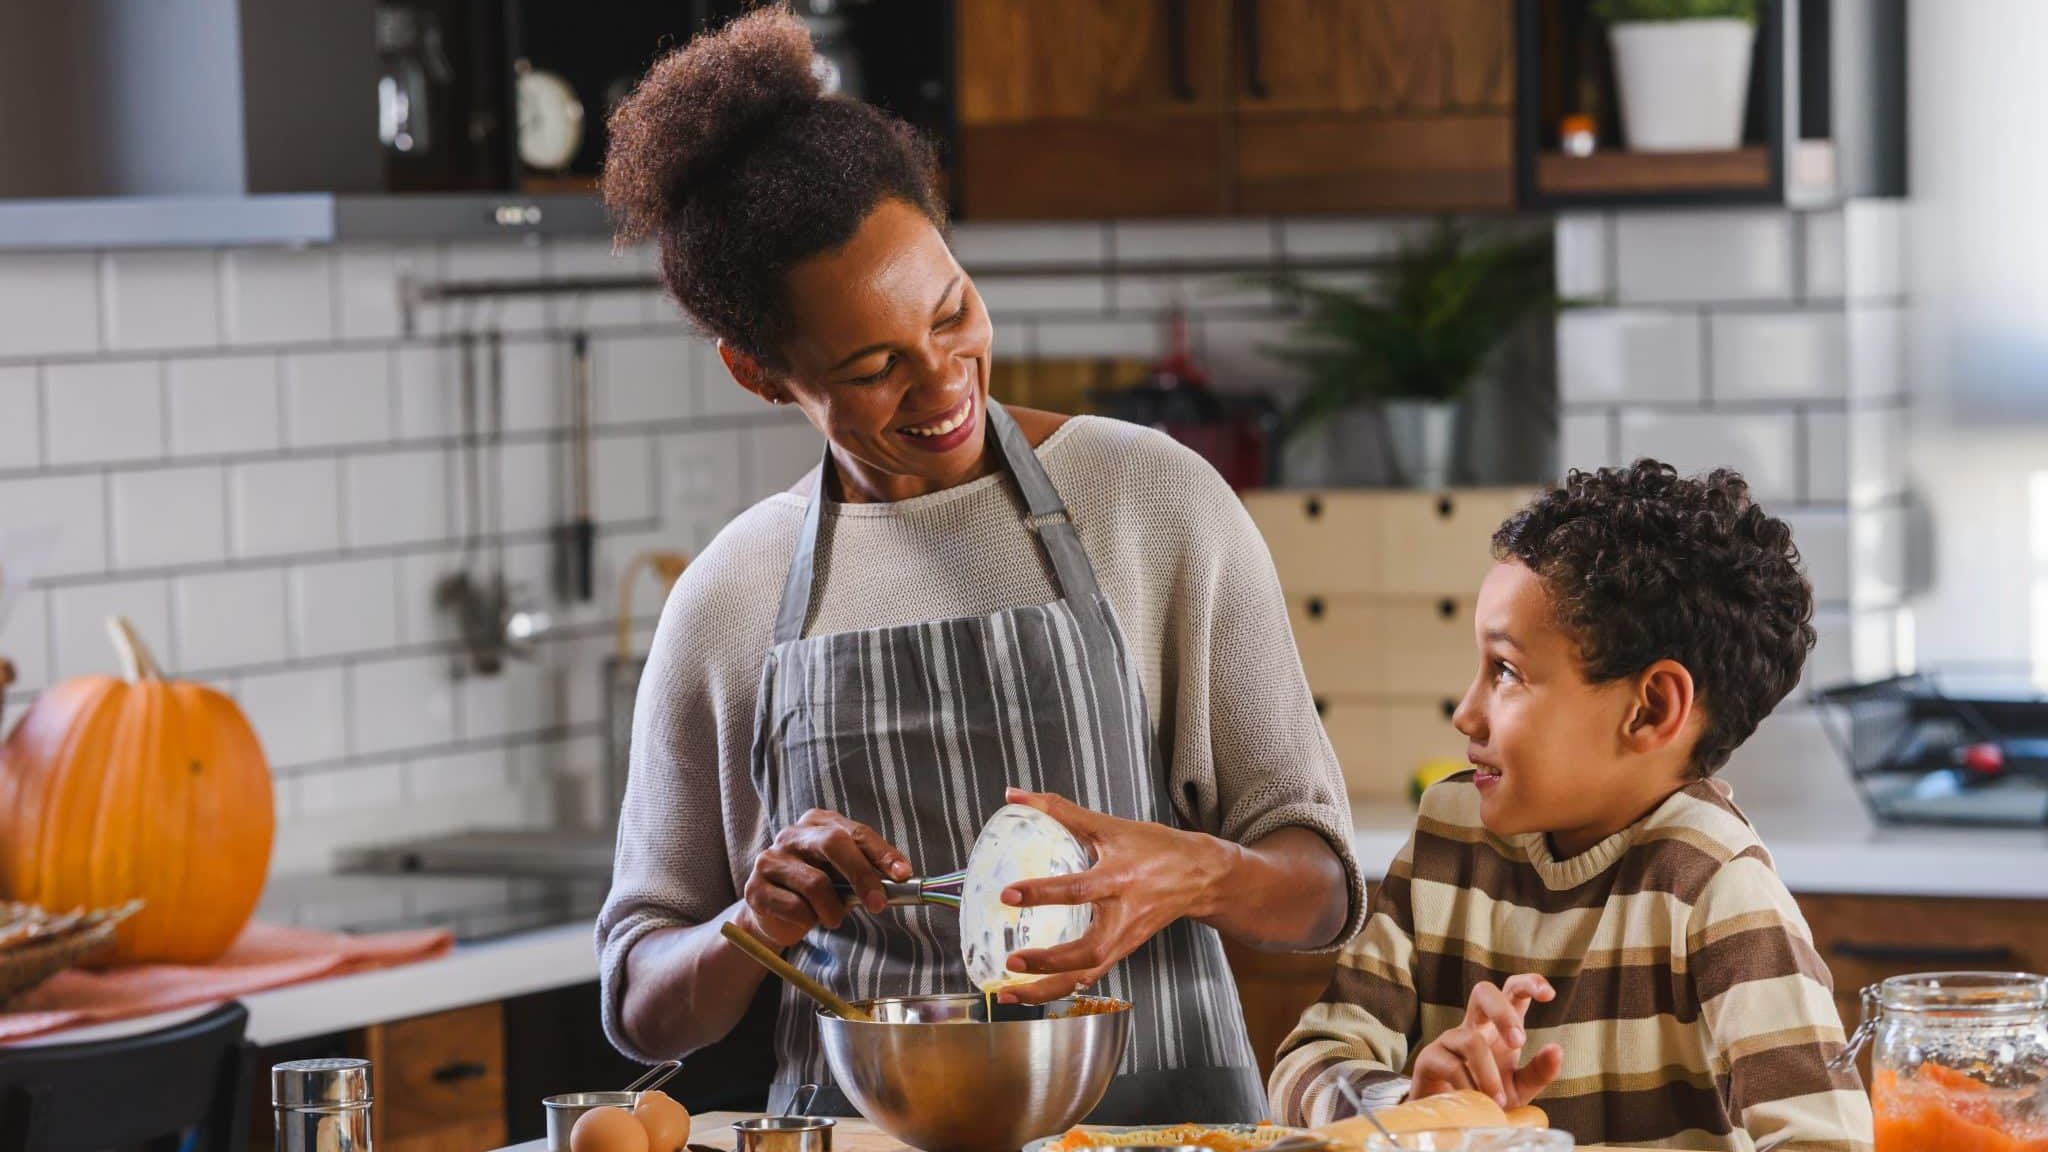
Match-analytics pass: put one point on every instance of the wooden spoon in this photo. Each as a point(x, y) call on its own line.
point(752, 946)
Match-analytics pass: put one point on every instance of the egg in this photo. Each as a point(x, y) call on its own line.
point(607, 1130)
point(667, 1122)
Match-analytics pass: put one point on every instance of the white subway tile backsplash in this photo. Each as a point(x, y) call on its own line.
point(426, 390)
point(1831, 663)
point(49, 304)
point(1778, 356)
point(1141, 294)
point(80, 645)
point(1012, 296)
point(298, 715)
point(1358, 237)
point(1585, 440)
point(1585, 256)
point(343, 608)
point(1171, 241)
point(623, 476)
point(21, 433)
point(284, 507)
point(1628, 355)
point(525, 698)
point(1118, 339)
point(1878, 557)
point(1826, 255)
point(1238, 351)
point(224, 405)
point(25, 640)
point(781, 455)
point(169, 516)
point(464, 774)
point(1822, 537)
point(230, 619)
point(1874, 234)
point(1877, 455)
point(362, 789)
point(104, 412)
point(589, 260)
point(395, 705)
point(338, 398)
point(420, 577)
point(153, 300)
point(534, 481)
point(501, 260)
point(76, 506)
point(642, 379)
point(278, 295)
point(1876, 638)
point(1763, 446)
point(397, 498)
point(537, 386)
point(1877, 353)
point(1679, 257)
point(1827, 457)
point(703, 478)
point(368, 278)
point(977, 246)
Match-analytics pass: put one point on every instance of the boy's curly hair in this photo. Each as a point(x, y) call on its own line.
point(731, 156)
point(1642, 564)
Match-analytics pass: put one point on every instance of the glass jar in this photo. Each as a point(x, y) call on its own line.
point(1960, 1062)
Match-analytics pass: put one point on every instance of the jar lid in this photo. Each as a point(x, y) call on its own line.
point(1965, 993)
point(320, 1083)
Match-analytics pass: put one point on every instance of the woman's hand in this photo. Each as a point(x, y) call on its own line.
point(790, 889)
point(1145, 877)
point(1485, 1052)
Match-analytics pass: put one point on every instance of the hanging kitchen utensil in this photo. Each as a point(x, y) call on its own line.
point(621, 673)
point(1233, 432)
point(576, 541)
point(487, 624)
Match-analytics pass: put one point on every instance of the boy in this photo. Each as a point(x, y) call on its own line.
point(1586, 914)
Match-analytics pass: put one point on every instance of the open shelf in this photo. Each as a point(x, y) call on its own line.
point(1632, 174)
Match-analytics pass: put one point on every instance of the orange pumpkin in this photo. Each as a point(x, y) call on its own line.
point(138, 787)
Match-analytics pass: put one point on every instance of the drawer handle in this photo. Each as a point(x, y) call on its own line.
point(1450, 708)
point(459, 1071)
point(1315, 607)
point(1321, 704)
point(1447, 608)
point(1921, 954)
point(1445, 506)
point(1314, 508)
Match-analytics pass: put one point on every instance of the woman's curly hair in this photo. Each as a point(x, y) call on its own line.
point(733, 159)
point(1642, 564)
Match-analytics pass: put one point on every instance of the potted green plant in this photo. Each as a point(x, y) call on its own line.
point(1410, 343)
point(1681, 68)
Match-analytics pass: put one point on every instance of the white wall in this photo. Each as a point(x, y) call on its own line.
point(1979, 273)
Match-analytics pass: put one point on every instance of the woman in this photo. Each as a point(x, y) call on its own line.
point(959, 603)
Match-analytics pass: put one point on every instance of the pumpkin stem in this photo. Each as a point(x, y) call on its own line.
point(136, 662)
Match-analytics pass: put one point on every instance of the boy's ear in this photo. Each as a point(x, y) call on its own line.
point(1662, 709)
point(753, 375)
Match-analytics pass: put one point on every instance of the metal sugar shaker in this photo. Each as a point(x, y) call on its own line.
point(322, 1105)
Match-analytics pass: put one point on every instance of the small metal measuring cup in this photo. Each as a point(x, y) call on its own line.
point(795, 1132)
point(564, 1110)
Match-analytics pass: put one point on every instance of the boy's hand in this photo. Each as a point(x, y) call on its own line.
point(1485, 1052)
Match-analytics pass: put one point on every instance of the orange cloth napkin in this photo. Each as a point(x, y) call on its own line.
point(264, 956)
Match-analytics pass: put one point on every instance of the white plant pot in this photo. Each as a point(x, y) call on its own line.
point(1683, 83)
point(1424, 433)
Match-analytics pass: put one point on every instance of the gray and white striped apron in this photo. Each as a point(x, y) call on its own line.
point(916, 730)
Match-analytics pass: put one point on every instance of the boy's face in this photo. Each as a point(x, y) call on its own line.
point(1547, 743)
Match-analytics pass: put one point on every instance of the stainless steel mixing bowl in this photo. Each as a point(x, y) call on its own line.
point(930, 1072)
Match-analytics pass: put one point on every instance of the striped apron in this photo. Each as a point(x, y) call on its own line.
point(915, 731)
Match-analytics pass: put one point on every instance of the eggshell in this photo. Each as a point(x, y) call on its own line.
point(607, 1130)
point(667, 1122)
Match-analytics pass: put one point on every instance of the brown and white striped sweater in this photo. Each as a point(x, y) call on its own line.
point(1690, 1003)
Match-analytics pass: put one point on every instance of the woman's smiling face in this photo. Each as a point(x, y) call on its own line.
point(888, 357)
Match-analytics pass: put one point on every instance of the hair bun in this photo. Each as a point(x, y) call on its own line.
point(695, 104)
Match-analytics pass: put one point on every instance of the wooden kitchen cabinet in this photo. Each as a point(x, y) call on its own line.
point(1094, 108)
point(1864, 939)
point(440, 1080)
point(1373, 105)
point(1090, 108)
point(1275, 988)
